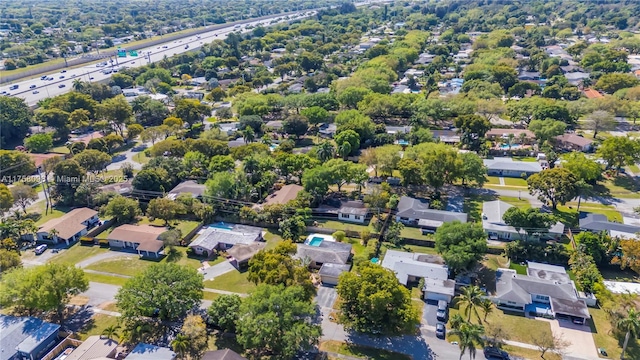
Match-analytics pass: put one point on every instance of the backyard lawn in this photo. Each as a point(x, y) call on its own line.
point(185, 226)
point(141, 158)
point(414, 233)
point(40, 206)
point(361, 351)
point(106, 279)
point(603, 337)
point(520, 269)
point(97, 324)
point(338, 225)
point(520, 203)
point(234, 281)
point(77, 253)
point(272, 238)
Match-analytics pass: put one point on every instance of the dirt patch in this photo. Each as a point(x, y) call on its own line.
point(79, 300)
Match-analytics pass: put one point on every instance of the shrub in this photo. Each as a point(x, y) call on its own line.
point(339, 235)
point(103, 242)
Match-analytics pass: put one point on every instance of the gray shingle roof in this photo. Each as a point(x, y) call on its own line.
point(150, 352)
point(547, 272)
point(508, 164)
point(329, 269)
point(210, 237)
point(599, 222)
point(412, 208)
point(518, 288)
point(190, 187)
point(23, 334)
point(573, 307)
point(327, 252)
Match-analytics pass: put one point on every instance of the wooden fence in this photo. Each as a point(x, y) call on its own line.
point(67, 342)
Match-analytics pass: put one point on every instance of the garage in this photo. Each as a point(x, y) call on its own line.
point(439, 289)
point(329, 273)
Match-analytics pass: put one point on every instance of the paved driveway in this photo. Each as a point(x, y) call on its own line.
point(217, 270)
point(429, 313)
point(579, 336)
point(326, 296)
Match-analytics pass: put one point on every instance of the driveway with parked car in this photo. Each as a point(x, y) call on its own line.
point(429, 313)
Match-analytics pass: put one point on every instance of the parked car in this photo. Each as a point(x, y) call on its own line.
point(63, 71)
point(40, 249)
point(441, 313)
point(491, 352)
point(440, 330)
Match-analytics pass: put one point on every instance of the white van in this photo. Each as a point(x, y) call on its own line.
point(40, 249)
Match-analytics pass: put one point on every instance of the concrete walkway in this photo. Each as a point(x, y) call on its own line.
point(501, 179)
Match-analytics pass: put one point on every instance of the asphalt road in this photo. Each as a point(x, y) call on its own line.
point(35, 89)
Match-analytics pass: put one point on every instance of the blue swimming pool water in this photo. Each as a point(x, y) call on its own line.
point(221, 225)
point(316, 241)
point(513, 146)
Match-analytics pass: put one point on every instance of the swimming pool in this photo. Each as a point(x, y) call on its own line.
point(513, 146)
point(315, 241)
point(222, 226)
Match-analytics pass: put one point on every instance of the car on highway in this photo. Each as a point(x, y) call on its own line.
point(13, 87)
point(91, 78)
point(36, 92)
point(165, 47)
point(32, 86)
point(133, 62)
point(61, 86)
point(186, 46)
point(44, 77)
point(3, 93)
point(73, 75)
point(63, 71)
point(61, 77)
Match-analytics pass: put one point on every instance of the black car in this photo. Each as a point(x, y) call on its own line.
point(61, 86)
point(495, 353)
point(440, 330)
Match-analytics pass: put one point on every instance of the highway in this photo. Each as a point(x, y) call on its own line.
point(36, 89)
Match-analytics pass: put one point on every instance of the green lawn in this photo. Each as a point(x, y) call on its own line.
point(525, 158)
point(361, 351)
point(356, 246)
point(494, 262)
point(420, 249)
point(635, 169)
point(185, 226)
point(232, 281)
point(130, 265)
point(604, 338)
point(77, 253)
point(338, 225)
point(106, 279)
point(473, 206)
point(141, 158)
point(272, 238)
point(97, 324)
point(518, 327)
point(568, 213)
point(515, 182)
point(414, 233)
point(60, 150)
point(493, 180)
point(521, 203)
point(623, 187)
point(520, 269)
point(208, 295)
point(40, 206)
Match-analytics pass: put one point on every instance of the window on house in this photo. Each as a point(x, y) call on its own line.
point(357, 217)
point(345, 216)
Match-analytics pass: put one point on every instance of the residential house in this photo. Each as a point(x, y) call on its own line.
point(193, 95)
point(495, 134)
point(121, 188)
point(295, 88)
point(592, 93)
point(322, 249)
point(224, 354)
point(141, 238)
point(187, 187)
point(275, 125)
point(94, 347)
point(197, 81)
point(283, 195)
point(69, 227)
point(223, 236)
point(353, 211)
point(329, 273)
point(26, 337)
point(528, 75)
point(494, 225)
point(150, 352)
point(425, 58)
point(574, 142)
point(416, 212)
point(393, 130)
point(507, 167)
point(411, 267)
point(576, 78)
point(546, 291)
point(327, 130)
point(229, 128)
point(449, 137)
point(599, 223)
point(242, 253)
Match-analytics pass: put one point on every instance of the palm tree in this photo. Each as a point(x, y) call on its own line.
point(344, 150)
point(510, 139)
point(140, 332)
point(53, 234)
point(248, 135)
point(487, 308)
point(111, 332)
point(471, 297)
point(456, 321)
point(78, 85)
point(522, 138)
point(631, 325)
point(470, 338)
point(325, 151)
point(180, 345)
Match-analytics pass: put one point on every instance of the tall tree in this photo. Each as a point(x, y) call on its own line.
point(224, 312)
point(470, 300)
point(15, 119)
point(122, 209)
point(630, 325)
point(462, 245)
point(117, 112)
point(165, 209)
point(530, 221)
point(191, 111)
point(600, 120)
point(195, 329)
point(374, 301)
point(42, 288)
point(471, 337)
point(166, 289)
point(619, 151)
point(23, 196)
point(6, 199)
point(277, 320)
point(93, 160)
point(473, 129)
point(549, 342)
point(557, 186)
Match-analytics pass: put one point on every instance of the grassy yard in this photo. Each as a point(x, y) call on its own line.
point(529, 353)
point(414, 233)
point(520, 269)
point(357, 247)
point(232, 281)
point(272, 238)
point(567, 213)
point(515, 182)
point(141, 158)
point(420, 249)
point(60, 150)
point(77, 253)
point(131, 265)
point(518, 327)
point(208, 295)
point(361, 351)
point(494, 262)
point(493, 180)
point(623, 187)
point(635, 169)
point(525, 158)
point(185, 226)
point(473, 206)
point(106, 279)
point(520, 203)
point(604, 338)
point(338, 225)
point(97, 324)
point(40, 206)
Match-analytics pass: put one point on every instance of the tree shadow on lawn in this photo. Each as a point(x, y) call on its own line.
point(412, 345)
point(626, 182)
point(82, 319)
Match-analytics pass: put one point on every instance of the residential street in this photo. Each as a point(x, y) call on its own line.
point(127, 157)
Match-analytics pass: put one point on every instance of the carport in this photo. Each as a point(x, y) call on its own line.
point(570, 309)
